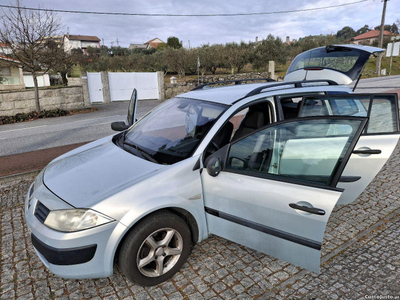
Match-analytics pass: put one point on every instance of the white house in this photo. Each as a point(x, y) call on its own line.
point(80, 42)
point(148, 45)
point(5, 49)
point(11, 77)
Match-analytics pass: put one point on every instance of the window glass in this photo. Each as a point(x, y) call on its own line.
point(251, 118)
point(341, 59)
point(306, 150)
point(382, 118)
point(172, 131)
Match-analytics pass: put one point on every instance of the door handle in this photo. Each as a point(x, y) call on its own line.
point(367, 151)
point(311, 210)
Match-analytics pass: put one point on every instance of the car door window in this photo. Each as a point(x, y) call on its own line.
point(308, 150)
point(382, 110)
point(382, 115)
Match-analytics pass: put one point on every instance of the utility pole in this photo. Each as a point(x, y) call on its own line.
point(379, 58)
point(117, 43)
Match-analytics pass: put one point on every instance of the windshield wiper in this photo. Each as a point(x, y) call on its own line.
point(143, 152)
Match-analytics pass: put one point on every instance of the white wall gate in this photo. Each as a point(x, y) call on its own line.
point(95, 87)
point(122, 84)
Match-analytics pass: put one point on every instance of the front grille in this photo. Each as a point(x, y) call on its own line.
point(41, 212)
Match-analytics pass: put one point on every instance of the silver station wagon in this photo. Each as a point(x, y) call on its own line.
point(260, 164)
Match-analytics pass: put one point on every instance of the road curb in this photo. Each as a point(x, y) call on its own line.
point(25, 175)
point(13, 188)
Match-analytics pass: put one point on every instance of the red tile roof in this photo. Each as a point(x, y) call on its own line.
point(2, 57)
point(4, 45)
point(90, 38)
point(152, 41)
point(372, 34)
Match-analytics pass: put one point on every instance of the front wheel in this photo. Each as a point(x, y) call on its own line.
point(155, 249)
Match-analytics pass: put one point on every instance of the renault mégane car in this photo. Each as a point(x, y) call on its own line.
point(260, 164)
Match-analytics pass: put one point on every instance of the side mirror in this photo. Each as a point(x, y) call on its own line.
point(214, 166)
point(119, 126)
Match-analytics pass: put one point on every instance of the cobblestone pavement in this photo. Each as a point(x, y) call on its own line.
point(360, 258)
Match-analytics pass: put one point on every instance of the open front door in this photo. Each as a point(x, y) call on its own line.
point(375, 145)
point(132, 108)
point(277, 186)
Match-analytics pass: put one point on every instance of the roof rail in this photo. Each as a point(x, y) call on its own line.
point(297, 84)
point(237, 81)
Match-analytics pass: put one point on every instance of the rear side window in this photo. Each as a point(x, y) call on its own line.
point(382, 109)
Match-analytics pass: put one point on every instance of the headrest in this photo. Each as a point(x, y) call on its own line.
point(254, 120)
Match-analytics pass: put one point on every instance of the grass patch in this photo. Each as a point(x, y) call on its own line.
point(34, 115)
point(369, 70)
point(75, 71)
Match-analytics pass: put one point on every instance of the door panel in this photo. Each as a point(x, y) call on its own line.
point(277, 187)
point(132, 109)
point(381, 133)
point(294, 236)
point(95, 87)
point(366, 166)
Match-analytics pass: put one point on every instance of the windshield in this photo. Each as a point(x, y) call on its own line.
point(346, 60)
point(173, 130)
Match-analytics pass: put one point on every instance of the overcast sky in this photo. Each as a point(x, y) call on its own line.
point(203, 30)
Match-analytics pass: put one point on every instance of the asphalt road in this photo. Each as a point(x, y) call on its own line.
point(55, 132)
point(378, 85)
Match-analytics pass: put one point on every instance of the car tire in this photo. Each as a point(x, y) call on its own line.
point(155, 249)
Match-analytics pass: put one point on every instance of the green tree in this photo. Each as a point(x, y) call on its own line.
point(176, 60)
point(162, 46)
point(237, 55)
point(345, 33)
point(391, 28)
point(173, 42)
point(64, 60)
point(270, 48)
point(362, 30)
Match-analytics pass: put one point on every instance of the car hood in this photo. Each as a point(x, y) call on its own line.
point(90, 176)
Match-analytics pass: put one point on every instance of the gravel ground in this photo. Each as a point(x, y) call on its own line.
point(360, 258)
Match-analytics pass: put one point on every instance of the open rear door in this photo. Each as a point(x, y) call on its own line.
point(375, 145)
point(340, 63)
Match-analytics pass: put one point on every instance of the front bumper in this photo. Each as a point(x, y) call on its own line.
point(64, 257)
point(84, 254)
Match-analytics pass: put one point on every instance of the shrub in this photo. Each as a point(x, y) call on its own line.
point(23, 117)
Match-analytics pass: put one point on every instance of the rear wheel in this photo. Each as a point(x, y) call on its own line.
point(155, 249)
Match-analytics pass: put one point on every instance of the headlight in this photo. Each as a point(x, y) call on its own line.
point(70, 220)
